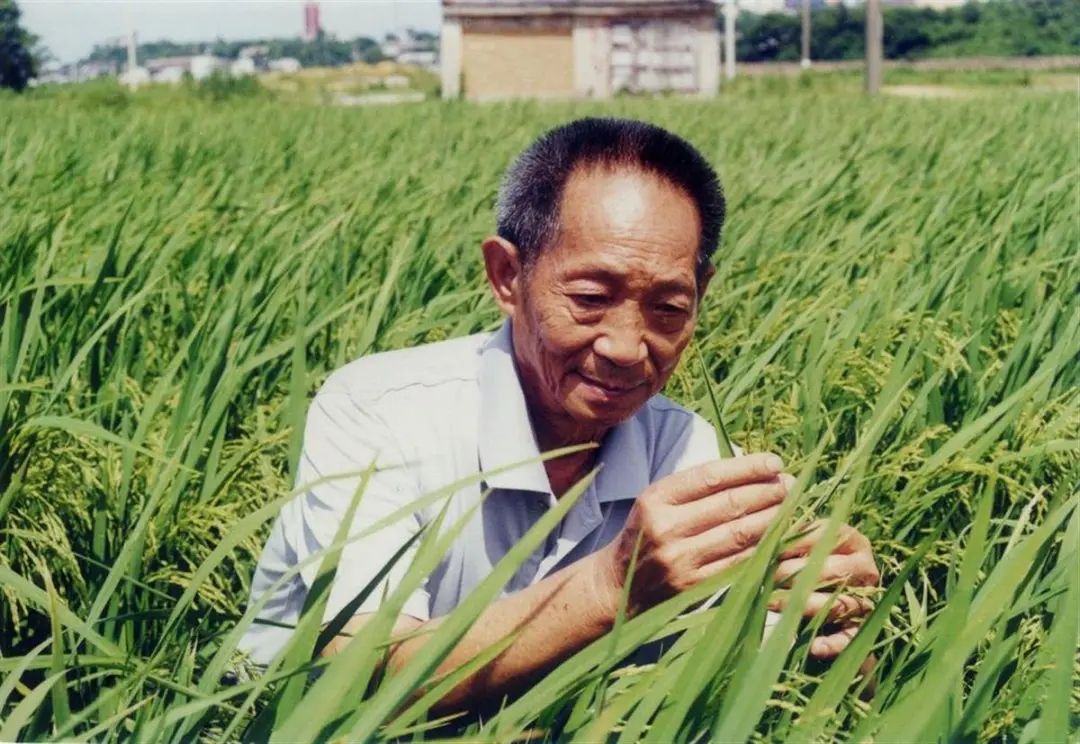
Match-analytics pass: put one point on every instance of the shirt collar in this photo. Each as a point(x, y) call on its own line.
point(506, 434)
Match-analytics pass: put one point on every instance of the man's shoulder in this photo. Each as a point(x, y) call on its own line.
point(677, 434)
point(667, 420)
point(417, 368)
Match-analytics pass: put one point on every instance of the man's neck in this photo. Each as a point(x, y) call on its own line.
point(554, 433)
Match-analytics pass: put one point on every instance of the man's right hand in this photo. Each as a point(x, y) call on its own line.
point(693, 525)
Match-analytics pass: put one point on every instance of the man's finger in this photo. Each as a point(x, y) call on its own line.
point(830, 646)
point(713, 477)
point(850, 569)
point(733, 503)
point(841, 607)
point(848, 540)
point(732, 537)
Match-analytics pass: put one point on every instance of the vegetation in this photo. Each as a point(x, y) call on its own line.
point(894, 310)
point(19, 56)
point(1003, 28)
point(325, 51)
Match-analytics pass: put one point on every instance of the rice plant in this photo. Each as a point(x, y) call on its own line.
point(895, 311)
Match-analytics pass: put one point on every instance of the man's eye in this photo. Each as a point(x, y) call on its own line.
point(669, 309)
point(590, 301)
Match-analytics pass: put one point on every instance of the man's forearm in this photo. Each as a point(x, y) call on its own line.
point(554, 617)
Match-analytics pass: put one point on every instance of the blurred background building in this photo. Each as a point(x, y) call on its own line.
point(494, 49)
point(312, 24)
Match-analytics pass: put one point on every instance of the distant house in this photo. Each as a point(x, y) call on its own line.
point(254, 56)
point(134, 77)
point(171, 75)
point(495, 49)
point(426, 58)
point(205, 65)
point(242, 66)
point(168, 69)
point(93, 70)
point(173, 69)
point(764, 6)
point(934, 4)
point(284, 64)
point(55, 74)
point(408, 47)
point(75, 72)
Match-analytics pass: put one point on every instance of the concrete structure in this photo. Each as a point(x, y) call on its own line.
point(763, 6)
point(169, 69)
point(242, 66)
point(284, 64)
point(134, 77)
point(938, 4)
point(406, 47)
point(312, 24)
point(494, 49)
point(170, 75)
point(205, 65)
point(427, 59)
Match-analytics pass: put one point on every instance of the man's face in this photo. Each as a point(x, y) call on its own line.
point(607, 310)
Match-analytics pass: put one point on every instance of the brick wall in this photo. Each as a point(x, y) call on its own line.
point(508, 63)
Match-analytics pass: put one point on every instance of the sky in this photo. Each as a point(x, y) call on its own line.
point(70, 28)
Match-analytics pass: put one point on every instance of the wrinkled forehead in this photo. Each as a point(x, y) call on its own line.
point(627, 214)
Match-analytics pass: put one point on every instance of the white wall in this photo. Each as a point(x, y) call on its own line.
point(592, 58)
point(450, 44)
point(708, 59)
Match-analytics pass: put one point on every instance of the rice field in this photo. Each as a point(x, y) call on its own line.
point(895, 311)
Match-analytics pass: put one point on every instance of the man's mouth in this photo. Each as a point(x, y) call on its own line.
point(609, 389)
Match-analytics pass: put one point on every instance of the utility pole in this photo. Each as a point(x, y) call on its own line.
point(875, 30)
point(132, 52)
point(729, 38)
point(805, 34)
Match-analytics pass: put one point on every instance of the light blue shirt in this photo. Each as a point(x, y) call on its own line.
point(430, 416)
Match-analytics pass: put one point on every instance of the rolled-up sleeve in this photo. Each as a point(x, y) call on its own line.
point(342, 438)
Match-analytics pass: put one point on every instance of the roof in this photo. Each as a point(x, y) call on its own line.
point(613, 8)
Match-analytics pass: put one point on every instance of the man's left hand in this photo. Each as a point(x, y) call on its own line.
point(849, 565)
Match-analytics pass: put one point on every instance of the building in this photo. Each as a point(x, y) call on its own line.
point(169, 69)
point(409, 47)
point(794, 7)
point(170, 75)
point(312, 26)
point(763, 6)
point(935, 4)
point(258, 53)
point(494, 49)
point(286, 65)
point(242, 66)
point(174, 69)
point(205, 65)
point(425, 58)
point(134, 77)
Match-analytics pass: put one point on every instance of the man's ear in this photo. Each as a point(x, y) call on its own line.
point(502, 262)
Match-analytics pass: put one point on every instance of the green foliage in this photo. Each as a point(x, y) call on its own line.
point(996, 28)
point(323, 52)
point(109, 94)
point(17, 60)
point(221, 86)
point(894, 310)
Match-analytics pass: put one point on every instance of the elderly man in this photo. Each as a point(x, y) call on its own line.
point(605, 232)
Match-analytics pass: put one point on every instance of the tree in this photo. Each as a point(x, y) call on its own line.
point(17, 64)
point(991, 28)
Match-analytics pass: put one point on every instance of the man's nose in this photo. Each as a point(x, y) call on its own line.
point(622, 342)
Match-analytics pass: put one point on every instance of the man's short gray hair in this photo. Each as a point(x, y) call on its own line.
point(528, 206)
